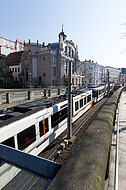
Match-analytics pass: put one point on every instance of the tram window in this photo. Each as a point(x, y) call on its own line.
point(81, 103)
point(84, 100)
point(9, 142)
point(101, 91)
point(76, 106)
point(26, 137)
point(63, 114)
point(95, 94)
point(43, 127)
point(58, 117)
point(89, 98)
point(55, 119)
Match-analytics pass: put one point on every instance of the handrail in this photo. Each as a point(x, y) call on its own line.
point(8, 94)
point(117, 152)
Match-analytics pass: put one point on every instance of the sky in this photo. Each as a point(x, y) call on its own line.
point(98, 27)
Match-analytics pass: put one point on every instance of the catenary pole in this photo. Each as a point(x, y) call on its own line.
point(108, 82)
point(69, 123)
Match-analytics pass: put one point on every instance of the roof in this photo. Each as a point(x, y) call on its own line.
point(54, 45)
point(14, 58)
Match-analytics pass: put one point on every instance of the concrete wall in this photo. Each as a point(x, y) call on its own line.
point(86, 167)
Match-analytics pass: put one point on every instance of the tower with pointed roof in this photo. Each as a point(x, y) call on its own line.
point(62, 36)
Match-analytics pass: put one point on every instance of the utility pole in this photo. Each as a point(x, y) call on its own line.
point(108, 82)
point(69, 123)
point(30, 78)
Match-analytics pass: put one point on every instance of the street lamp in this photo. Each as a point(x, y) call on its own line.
point(30, 78)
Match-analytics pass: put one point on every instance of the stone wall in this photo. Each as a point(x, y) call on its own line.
point(86, 167)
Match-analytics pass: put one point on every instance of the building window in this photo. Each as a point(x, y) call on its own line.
point(69, 51)
point(26, 73)
point(66, 50)
point(65, 67)
point(72, 67)
point(44, 58)
point(12, 69)
point(40, 79)
point(15, 69)
point(18, 69)
point(54, 61)
point(72, 53)
point(44, 74)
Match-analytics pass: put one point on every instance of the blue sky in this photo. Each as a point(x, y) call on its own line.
point(96, 26)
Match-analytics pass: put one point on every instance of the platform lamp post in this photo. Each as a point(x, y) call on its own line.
point(69, 123)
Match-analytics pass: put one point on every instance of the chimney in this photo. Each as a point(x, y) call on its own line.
point(29, 41)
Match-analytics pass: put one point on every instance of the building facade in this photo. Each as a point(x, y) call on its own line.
point(5, 76)
point(114, 74)
point(93, 73)
point(8, 46)
point(17, 64)
point(49, 64)
point(123, 75)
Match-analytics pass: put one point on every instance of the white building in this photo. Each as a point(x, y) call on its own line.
point(93, 73)
point(114, 73)
point(8, 46)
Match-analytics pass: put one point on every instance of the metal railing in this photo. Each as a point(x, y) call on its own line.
point(117, 152)
point(17, 95)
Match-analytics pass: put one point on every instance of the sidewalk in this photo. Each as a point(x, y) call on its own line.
point(122, 148)
point(122, 143)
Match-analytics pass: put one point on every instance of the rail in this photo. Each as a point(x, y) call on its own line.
point(117, 152)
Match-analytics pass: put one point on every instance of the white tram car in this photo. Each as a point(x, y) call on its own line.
point(98, 92)
point(34, 132)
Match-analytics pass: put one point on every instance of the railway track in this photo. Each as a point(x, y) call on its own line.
point(88, 115)
point(55, 152)
point(79, 127)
